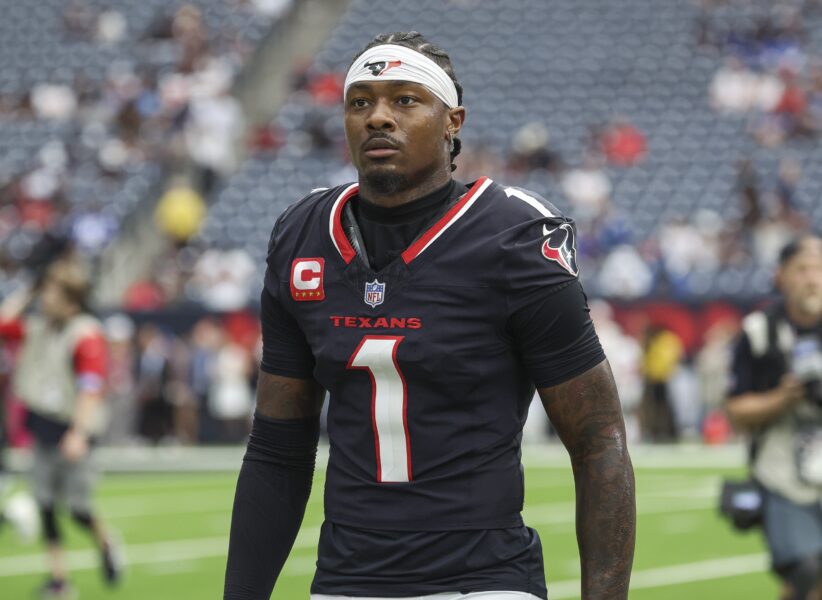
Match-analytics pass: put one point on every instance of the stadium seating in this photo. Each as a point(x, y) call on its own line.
point(570, 64)
point(59, 42)
point(36, 45)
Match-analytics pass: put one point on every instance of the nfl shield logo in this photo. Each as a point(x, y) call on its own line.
point(374, 293)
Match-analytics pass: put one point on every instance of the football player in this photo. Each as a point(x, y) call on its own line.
point(429, 310)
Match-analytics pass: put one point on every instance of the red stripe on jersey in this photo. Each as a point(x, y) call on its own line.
point(338, 234)
point(374, 424)
point(409, 465)
point(447, 219)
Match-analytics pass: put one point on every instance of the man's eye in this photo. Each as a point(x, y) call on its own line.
point(359, 102)
point(407, 100)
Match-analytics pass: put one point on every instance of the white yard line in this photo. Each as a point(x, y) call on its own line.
point(308, 537)
point(136, 554)
point(156, 553)
point(543, 514)
point(563, 512)
point(120, 485)
point(215, 547)
point(145, 505)
point(669, 457)
point(150, 505)
point(706, 570)
point(655, 489)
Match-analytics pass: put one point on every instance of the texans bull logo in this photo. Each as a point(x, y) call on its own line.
point(380, 67)
point(559, 247)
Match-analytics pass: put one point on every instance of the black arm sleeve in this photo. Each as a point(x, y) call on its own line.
point(555, 334)
point(269, 504)
point(285, 349)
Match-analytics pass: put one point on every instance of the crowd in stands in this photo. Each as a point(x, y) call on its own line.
point(110, 138)
point(768, 76)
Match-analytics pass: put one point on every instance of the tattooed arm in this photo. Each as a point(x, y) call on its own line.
point(274, 484)
point(588, 418)
point(288, 398)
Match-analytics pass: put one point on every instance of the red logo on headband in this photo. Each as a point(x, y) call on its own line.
point(380, 67)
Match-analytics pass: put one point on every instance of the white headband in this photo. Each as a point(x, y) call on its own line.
point(398, 63)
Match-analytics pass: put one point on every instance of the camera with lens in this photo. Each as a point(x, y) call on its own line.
point(806, 365)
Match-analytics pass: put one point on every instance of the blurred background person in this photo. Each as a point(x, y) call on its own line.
point(231, 398)
point(61, 379)
point(713, 365)
point(662, 355)
point(625, 357)
point(776, 396)
point(122, 410)
point(155, 420)
point(205, 340)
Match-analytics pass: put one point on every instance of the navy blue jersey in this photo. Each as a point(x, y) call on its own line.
point(429, 385)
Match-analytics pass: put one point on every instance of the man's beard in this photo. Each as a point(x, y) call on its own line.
point(386, 183)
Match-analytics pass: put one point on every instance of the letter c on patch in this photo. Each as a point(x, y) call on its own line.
point(307, 279)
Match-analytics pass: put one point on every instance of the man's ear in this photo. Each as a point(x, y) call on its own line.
point(456, 117)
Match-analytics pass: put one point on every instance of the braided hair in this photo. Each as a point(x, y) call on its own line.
point(415, 41)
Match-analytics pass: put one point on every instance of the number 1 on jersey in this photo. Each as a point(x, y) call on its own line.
point(377, 354)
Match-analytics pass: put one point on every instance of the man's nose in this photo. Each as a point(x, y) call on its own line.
point(381, 117)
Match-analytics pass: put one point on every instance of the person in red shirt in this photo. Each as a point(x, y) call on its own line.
point(60, 377)
point(623, 144)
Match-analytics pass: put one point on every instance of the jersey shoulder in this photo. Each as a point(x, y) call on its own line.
point(305, 214)
point(513, 204)
point(308, 208)
point(533, 233)
point(299, 228)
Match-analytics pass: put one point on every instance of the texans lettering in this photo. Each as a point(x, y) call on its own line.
point(377, 322)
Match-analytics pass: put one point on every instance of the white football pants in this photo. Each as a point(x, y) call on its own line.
point(450, 596)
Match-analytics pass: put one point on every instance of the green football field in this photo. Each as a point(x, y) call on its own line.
point(175, 530)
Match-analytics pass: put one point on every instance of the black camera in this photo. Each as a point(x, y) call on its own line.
point(806, 365)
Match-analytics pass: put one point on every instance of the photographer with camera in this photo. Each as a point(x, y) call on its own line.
point(776, 397)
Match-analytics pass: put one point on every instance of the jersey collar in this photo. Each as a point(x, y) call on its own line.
point(346, 250)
